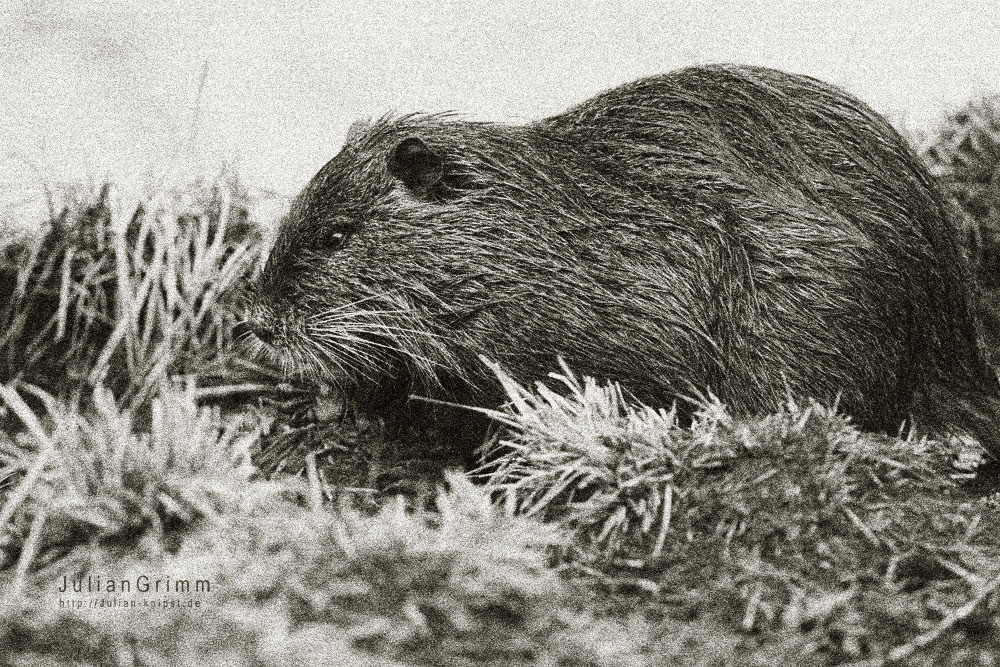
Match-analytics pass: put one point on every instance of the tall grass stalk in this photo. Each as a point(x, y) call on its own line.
point(124, 294)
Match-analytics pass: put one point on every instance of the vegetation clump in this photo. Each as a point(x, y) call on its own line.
point(964, 155)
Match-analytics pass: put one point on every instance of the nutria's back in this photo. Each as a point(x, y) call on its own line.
point(731, 229)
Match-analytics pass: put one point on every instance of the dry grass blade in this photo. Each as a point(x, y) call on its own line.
point(28, 552)
point(46, 449)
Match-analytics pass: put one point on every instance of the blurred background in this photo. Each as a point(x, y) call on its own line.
point(132, 90)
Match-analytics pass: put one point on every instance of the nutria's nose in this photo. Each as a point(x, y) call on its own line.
point(241, 330)
point(265, 334)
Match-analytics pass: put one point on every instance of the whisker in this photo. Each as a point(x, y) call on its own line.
point(351, 304)
point(420, 332)
point(372, 327)
point(348, 341)
point(327, 317)
point(367, 342)
point(366, 357)
point(333, 352)
point(354, 304)
point(332, 356)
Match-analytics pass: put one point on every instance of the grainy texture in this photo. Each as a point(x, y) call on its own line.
point(722, 228)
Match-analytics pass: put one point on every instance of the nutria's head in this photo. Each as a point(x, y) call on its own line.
point(399, 259)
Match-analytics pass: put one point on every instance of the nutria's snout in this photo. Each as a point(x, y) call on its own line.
point(330, 347)
point(242, 331)
point(262, 326)
point(270, 334)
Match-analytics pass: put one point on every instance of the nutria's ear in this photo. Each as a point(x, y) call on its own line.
point(415, 164)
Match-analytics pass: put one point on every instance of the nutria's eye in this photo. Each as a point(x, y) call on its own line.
point(333, 239)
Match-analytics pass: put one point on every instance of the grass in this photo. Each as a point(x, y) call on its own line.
point(965, 157)
point(123, 298)
point(139, 441)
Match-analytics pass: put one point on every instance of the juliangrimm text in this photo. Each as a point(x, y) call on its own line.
point(139, 584)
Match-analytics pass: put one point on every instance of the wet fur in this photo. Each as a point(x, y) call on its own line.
point(724, 228)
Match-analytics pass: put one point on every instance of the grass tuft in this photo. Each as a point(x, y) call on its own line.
point(125, 295)
point(795, 528)
point(964, 155)
point(101, 480)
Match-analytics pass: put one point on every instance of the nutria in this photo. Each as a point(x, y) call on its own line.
point(725, 228)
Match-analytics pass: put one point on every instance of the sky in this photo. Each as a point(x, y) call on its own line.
point(129, 89)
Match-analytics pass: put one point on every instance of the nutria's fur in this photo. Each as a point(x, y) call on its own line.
point(723, 228)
